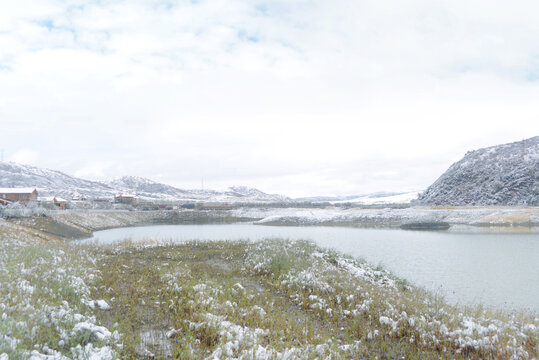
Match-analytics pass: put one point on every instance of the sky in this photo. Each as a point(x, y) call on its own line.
point(294, 97)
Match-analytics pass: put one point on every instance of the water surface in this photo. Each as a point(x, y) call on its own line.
point(498, 269)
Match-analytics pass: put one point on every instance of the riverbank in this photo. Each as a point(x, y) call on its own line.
point(264, 300)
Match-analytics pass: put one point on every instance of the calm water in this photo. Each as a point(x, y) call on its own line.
point(496, 269)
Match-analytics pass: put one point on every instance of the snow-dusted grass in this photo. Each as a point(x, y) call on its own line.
point(272, 299)
point(385, 314)
point(280, 299)
point(46, 307)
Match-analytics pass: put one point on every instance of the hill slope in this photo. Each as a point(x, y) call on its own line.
point(499, 175)
point(52, 182)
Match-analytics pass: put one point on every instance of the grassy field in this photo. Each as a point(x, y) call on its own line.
point(274, 299)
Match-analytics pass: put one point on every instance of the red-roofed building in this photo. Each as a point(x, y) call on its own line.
point(125, 199)
point(23, 195)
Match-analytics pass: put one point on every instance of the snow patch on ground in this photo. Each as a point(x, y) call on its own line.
point(392, 217)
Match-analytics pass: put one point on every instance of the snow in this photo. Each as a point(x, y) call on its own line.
point(234, 335)
point(199, 287)
point(89, 352)
point(391, 217)
point(17, 190)
point(92, 330)
point(387, 321)
point(102, 304)
point(404, 198)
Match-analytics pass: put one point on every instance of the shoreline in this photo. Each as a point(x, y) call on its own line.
point(80, 224)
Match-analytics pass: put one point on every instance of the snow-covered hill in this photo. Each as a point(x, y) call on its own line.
point(146, 188)
point(56, 183)
point(245, 192)
point(50, 182)
point(365, 199)
point(499, 175)
point(377, 199)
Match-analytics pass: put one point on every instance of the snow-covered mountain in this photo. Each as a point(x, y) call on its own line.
point(146, 188)
point(245, 192)
point(50, 182)
point(365, 199)
point(378, 199)
point(499, 175)
point(56, 183)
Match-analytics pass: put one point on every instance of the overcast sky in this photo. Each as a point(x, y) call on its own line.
point(324, 97)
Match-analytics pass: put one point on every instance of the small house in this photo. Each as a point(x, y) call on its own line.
point(125, 199)
point(22, 195)
point(52, 202)
point(59, 202)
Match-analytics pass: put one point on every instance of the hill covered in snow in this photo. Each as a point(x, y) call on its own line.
point(56, 183)
point(149, 189)
point(499, 175)
point(51, 182)
point(146, 188)
point(378, 198)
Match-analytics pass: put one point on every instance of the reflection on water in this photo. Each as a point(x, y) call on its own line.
point(494, 268)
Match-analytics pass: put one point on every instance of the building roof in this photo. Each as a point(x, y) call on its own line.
point(125, 195)
point(59, 199)
point(17, 190)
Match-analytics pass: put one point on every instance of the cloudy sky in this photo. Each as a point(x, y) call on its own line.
point(296, 97)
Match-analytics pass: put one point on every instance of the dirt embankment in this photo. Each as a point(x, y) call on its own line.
point(81, 224)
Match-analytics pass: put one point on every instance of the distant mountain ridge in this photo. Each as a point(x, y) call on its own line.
point(365, 199)
point(57, 183)
point(505, 174)
point(51, 181)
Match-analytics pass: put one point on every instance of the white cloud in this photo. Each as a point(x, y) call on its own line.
point(298, 97)
point(25, 156)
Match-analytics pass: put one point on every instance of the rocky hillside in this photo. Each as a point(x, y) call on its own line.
point(56, 183)
point(499, 175)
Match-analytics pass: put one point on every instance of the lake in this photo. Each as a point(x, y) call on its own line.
point(498, 269)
